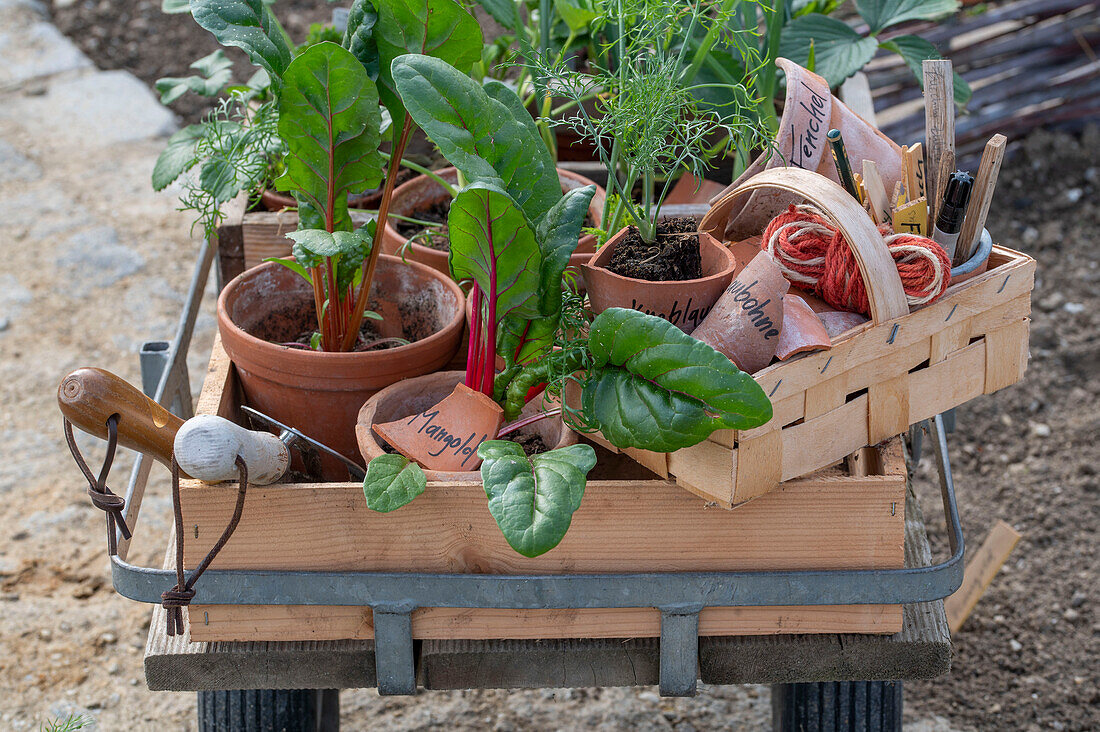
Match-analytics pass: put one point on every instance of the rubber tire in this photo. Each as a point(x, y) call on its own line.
point(268, 710)
point(837, 706)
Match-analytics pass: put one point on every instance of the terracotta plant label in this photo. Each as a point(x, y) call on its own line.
point(446, 436)
point(747, 320)
point(802, 330)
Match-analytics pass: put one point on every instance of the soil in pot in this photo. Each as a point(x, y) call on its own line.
point(673, 256)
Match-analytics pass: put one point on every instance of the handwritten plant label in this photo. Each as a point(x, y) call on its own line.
point(746, 321)
point(685, 316)
point(446, 436)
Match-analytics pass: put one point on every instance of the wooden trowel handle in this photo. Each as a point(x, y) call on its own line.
point(89, 396)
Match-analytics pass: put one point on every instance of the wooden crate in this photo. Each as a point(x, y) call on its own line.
point(263, 233)
point(627, 522)
point(878, 378)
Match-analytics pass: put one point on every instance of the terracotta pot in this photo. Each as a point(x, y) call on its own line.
point(684, 303)
point(446, 435)
point(321, 393)
point(273, 200)
point(978, 262)
point(422, 192)
point(413, 396)
point(802, 330)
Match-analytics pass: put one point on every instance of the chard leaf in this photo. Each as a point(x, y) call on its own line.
point(837, 50)
point(478, 134)
point(502, 11)
point(654, 387)
point(215, 72)
point(359, 35)
point(177, 157)
point(392, 481)
point(440, 29)
point(329, 120)
point(248, 25)
point(533, 499)
point(175, 7)
point(913, 50)
point(881, 14)
point(576, 14)
point(492, 241)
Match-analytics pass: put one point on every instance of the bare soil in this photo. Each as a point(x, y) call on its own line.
point(674, 255)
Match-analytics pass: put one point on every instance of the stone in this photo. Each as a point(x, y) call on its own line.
point(5, 323)
point(1071, 615)
point(97, 259)
point(99, 110)
point(35, 52)
point(16, 167)
point(1016, 645)
point(13, 296)
point(1074, 308)
point(1038, 429)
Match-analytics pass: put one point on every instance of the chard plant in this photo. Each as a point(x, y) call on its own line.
point(325, 106)
point(644, 383)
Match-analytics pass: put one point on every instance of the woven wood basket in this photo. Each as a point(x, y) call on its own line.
point(880, 377)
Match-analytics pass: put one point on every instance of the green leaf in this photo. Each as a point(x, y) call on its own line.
point(392, 481)
point(838, 50)
point(502, 11)
point(577, 15)
point(177, 157)
point(330, 244)
point(881, 14)
point(329, 119)
point(175, 7)
point(654, 387)
point(219, 177)
point(522, 339)
point(441, 29)
point(913, 50)
point(359, 35)
point(215, 69)
point(293, 266)
point(491, 240)
point(248, 25)
point(533, 499)
point(478, 134)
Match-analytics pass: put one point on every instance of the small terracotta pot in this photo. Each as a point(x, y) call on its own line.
point(802, 330)
point(978, 262)
point(445, 436)
point(413, 396)
point(321, 393)
point(748, 318)
point(273, 200)
point(422, 192)
point(684, 303)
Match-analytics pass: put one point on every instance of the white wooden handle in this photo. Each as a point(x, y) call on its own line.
point(880, 275)
point(207, 446)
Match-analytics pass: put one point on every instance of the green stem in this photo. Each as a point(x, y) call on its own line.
point(405, 162)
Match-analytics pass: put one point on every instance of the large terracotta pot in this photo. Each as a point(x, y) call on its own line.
point(684, 303)
point(413, 396)
point(422, 192)
point(321, 393)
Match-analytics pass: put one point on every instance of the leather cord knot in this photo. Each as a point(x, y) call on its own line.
point(174, 600)
point(100, 495)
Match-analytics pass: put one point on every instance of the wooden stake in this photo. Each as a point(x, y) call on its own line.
point(876, 192)
point(982, 195)
point(980, 571)
point(912, 161)
point(939, 130)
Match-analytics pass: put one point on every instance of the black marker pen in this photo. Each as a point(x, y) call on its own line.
point(956, 194)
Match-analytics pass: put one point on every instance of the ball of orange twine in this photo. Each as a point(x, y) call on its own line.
point(812, 252)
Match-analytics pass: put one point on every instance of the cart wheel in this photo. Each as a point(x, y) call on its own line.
point(269, 710)
point(837, 706)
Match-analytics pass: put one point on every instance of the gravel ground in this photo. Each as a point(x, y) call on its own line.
point(97, 263)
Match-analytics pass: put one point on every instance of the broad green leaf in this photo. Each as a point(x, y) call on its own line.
point(442, 29)
point(329, 119)
point(881, 14)
point(177, 157)
point(175, 7)
point(533, 499)
point(502, 11)
point(493, 242)
point(359, 35)
point(654, 387)
point(330, 244)
point(522, 339)
point(914, 50)
point(392, 481)
point(293, 266)
point(248, 25)
point(576, 14)
point(478, 134)
point(215, 72)
point(219, 177)
point(838, 50)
